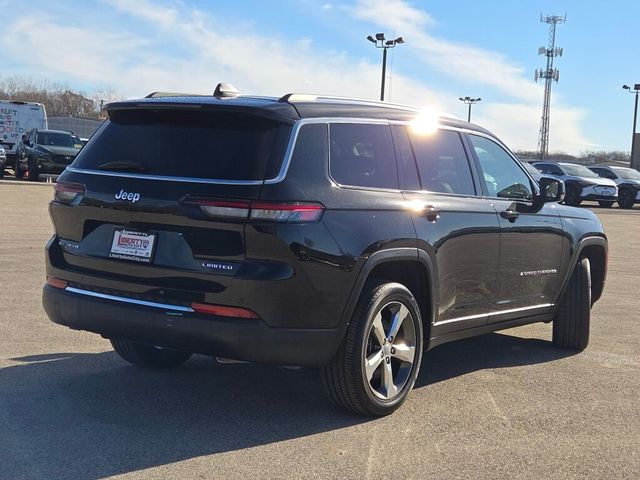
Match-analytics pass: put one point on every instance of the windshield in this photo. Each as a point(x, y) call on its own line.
point(185, 143)
point(578, 171)
point(627, 173)
point(57, 139)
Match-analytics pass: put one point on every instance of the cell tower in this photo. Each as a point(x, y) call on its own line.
point(549, 74)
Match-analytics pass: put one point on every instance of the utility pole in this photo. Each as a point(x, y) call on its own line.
point(380, 42)
point(549, 74)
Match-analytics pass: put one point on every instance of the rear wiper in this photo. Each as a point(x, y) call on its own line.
point(123, 166)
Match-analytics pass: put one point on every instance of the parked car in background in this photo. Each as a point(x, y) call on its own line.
point(581, 183)
point(3, 161)
point(628, 181)
point(533, 171)
point(325, 232)
point(47, 151)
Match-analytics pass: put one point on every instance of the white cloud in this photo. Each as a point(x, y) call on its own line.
point(213, 50)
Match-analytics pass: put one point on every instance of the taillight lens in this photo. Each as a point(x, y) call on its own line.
point(281, 212)
point(286, 212)
point(65, 192)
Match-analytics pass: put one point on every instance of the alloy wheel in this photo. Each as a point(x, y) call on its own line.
point(390, 352)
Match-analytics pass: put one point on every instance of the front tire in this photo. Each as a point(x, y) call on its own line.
point(34, 170)
point(572, 321)
point(605, 203)
point(376, 366)
point(19, 173)
point(150, 356)
point(626, 198)
point(572, 197)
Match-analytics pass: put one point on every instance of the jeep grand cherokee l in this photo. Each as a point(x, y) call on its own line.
point(313, 231)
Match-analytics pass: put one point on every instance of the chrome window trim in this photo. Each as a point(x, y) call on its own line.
point(163, 306)
point(164, 177)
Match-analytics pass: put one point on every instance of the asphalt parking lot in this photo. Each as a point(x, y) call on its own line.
point(502, 406)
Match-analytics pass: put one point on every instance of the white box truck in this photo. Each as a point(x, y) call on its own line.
point(16, 119)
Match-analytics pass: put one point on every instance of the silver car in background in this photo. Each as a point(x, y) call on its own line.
point(581, 183)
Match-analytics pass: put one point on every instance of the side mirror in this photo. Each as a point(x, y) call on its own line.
point(551, 190)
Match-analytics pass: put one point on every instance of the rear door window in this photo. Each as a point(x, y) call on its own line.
point(362, 155)
point(186, 143)
point(442, 162)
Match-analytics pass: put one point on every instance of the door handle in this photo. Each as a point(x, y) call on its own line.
point(510, 215)
point(431, 213)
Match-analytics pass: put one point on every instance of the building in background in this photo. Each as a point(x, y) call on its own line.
point(83, 127)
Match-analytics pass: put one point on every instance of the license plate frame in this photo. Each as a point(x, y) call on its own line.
point(133, 245)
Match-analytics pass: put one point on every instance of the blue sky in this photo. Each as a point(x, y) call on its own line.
point(485, 49)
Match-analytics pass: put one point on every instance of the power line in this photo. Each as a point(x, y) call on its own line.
point(549, 74)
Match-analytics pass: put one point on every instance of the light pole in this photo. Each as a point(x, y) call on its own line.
point(636, 89)
point(469, 101)
point(380, 42)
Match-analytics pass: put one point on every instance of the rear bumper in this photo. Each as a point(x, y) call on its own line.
point(241, 339)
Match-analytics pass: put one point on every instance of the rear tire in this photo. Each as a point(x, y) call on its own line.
point(377, 364)
point(626, 198)
point(605, 204)
point(150, 356)
point(573, 318)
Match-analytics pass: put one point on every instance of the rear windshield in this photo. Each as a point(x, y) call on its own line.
point(184, 143)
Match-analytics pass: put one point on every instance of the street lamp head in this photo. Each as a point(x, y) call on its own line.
point(626, 87)
point(399, 40)
point(636, 86)
point(371, 39)
point(390, 43)
point(461, 99)
point(478, 99)
point(380, 37)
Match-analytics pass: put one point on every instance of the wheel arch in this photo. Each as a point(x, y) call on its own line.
point(596, 250)
point(410, 267)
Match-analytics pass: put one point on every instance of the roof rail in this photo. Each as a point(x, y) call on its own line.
point(171, 94)
point(304, 97)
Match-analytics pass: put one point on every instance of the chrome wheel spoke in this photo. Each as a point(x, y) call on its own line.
point(396, 323)
point(404, 353)
point(372, 363)
point(378, 329)
point(387, 381)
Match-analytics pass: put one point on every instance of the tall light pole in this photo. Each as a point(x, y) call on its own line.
point(636, 89)
point(469, 101)
point(380, 42)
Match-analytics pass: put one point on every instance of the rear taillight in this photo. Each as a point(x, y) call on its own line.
point(65, 192)
point(281, 212)
point(223, 311)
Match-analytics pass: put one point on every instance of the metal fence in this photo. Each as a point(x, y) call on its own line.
point(83, 127)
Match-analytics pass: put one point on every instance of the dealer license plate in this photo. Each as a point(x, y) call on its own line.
point(134, 246)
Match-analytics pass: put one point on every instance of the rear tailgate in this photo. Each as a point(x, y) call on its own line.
point(137, 223)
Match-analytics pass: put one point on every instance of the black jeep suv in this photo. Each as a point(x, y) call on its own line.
point(311, 231)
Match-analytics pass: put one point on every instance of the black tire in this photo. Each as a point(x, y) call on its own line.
point(573, 318)
point(1, 172)
point(346, 378)
point(572, 196)
point(606, 203)
point(19, 173)
point(626, 198)
point(149, 356)
point(34, 170)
